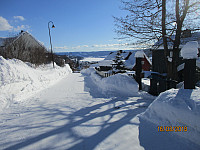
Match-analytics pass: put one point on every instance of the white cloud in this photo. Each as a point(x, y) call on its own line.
point(75, 47)
point(19, 17)
point(85, 46)
point(62, 47)
point(110, 45)
point(4, 25)
point(22, 27)
point(96, 47)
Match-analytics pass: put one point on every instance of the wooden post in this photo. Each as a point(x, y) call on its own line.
point(154, 87)
point(138, 72)
point(189, 52)
point(189, 74)
point(139, 55)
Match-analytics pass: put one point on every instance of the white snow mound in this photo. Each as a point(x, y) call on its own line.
point(177, 107)
point(190, 50)
point(19, 80)
point(116, 85)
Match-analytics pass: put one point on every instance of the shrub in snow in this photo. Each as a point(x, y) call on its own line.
point(19, 80)
point(177, 108)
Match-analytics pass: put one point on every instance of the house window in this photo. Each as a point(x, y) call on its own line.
point(142, 62)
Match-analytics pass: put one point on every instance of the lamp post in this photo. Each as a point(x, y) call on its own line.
point(50, 40)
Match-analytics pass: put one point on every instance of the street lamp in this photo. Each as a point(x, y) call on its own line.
point(50, 40)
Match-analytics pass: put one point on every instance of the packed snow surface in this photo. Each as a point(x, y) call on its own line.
point(190, 50)
point(19, 80)
point(79, 113)
point(73, 115)
point(177, 107)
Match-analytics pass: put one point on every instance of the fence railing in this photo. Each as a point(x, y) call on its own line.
point(104, 74)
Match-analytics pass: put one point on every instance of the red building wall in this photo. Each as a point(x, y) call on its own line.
point(146, 66)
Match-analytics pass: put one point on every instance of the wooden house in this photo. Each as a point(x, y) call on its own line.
point(129, 61)
point(159, 82)
point(23, 46)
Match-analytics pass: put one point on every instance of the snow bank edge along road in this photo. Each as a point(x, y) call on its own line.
point(19, 80)
point(116, 85)
point(177, 107)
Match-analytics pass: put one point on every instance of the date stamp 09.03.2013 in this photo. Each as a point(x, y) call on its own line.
point(172, 128)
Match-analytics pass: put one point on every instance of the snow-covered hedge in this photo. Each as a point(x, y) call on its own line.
point(19, 80)
point(177, 107)
point(115, 85)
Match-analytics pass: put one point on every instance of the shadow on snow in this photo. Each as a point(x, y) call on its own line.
point(86, 114)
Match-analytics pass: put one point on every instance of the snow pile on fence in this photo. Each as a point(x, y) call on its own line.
point(116, 85)
point(190, 50)
point(19, 80)
point(177, 108)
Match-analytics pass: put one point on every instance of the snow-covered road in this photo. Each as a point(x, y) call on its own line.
point(72, 114)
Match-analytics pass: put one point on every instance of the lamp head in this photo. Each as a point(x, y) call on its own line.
point(53, 26)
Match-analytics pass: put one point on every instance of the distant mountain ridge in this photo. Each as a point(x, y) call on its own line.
point(95, 54)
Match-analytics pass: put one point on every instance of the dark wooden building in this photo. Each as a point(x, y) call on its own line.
point(159, 81)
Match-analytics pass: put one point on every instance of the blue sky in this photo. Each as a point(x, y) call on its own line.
point(81, 25)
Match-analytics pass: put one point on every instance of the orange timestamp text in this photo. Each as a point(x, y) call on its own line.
point(172, 128)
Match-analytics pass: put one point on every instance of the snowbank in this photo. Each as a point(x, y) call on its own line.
point(177, 108)
point(19, 80)
point(116, 85)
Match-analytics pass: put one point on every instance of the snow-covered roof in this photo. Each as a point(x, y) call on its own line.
point(106, 63)
point(112, 55)
point(194, 37)
point(13, 39)
point(130, 62)
point(139, 54)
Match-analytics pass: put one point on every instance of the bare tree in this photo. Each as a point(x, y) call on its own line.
point(8, 48)
point(152, 20)
point(183, 8)
point(143, 21)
